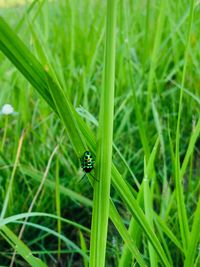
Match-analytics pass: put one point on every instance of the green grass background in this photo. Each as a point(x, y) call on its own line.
point(155, 136)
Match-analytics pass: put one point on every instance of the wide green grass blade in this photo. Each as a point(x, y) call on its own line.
point(104, 146)
point(20, 56)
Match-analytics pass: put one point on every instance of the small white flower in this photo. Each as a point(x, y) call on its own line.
point(126, 40)
point(7, 109)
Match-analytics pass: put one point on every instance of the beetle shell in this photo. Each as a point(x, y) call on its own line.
point(87, 161)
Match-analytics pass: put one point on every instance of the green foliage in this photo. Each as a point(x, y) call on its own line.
point(57, 63)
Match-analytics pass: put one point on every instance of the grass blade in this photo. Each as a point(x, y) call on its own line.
point(104, 148)
point(9, 189)
point(190, 149)
point(183, 221)
point(58, 212)
point(21, 248)
point(148, 201)
point(194, 239)
point(20, 56)
point(126, 236)
point(84, 248)
point(154, 58)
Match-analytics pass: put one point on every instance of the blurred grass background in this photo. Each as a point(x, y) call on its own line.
point(71, 34)
point(12, 3)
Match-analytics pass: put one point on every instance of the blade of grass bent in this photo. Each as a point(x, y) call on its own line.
point(104, 147)
point(24, 60)
point(67, 241)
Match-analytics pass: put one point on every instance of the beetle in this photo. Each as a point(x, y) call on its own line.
point(87, 163)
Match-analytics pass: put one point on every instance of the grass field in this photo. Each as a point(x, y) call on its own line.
point(120, 79)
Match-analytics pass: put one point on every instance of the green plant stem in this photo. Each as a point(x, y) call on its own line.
point(4, 133)
point(58, 212)
point(104, 147)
